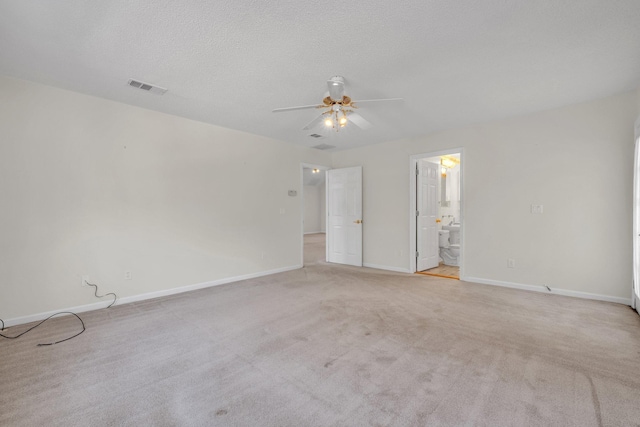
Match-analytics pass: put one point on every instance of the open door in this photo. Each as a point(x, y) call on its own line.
point(635, 299)
point(426, 214)
point(344, 221)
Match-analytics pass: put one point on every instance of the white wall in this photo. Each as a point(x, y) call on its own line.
point(576, 161)
point(90, 186)
point(314, 208)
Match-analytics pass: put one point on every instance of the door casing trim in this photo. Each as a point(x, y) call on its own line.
point(413, 161)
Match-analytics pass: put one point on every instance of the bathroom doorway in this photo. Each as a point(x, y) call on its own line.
point(436, 214)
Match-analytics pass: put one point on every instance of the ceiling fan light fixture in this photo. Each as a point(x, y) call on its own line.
point(338, 108)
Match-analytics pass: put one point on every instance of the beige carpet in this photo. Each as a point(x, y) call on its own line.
point(331, 345)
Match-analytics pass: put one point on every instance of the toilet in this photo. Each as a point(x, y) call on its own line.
point(450, 253)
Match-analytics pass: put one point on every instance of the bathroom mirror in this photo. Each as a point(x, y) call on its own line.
point(444, 200)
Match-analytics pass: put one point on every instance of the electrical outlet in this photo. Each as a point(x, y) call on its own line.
point(511, 263)
point(127, 275)
point(85, 280)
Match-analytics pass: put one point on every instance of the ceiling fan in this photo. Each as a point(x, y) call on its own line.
point(339, 108)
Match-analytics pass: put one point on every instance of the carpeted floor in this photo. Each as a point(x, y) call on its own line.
point(331, 345)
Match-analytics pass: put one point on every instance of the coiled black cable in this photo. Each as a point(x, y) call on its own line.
point(35, 326)
point(115, 297)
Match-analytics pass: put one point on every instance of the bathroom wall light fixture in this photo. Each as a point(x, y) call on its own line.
point(315, 171)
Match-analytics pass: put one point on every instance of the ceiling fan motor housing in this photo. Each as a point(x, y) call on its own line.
point(336, 80)
point(336, 87)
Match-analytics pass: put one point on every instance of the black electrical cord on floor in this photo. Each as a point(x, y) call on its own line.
point(115, 297)
point(35, 326)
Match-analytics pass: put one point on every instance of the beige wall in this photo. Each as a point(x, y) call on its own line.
point(637, 123)
point(90, 186)
point(576, 161)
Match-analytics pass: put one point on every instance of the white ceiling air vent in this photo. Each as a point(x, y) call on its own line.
point(324, 147)
point(146, 86)
point(315, 135)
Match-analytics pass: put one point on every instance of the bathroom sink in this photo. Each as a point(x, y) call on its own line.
point(452, 227)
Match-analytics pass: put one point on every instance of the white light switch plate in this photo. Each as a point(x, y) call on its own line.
point(537, 209)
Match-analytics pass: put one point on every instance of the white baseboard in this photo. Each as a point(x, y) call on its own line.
point(166, 292)
point(41, 316)
point(142, 297)
point(543, 289)
point(314, 232)
point(386, 267)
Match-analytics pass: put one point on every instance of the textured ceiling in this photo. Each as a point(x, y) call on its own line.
point(230, 63)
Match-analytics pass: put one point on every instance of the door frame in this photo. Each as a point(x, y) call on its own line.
point(304, 166)
point(636, 222)
point(413, 161)
point(636, 216)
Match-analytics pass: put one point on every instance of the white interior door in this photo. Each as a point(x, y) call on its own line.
point(344, 220)
point(636, 229)
point(426, 215)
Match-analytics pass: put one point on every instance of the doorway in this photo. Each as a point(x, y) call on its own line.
point(436, 213)
point(314, 213)
point(635, 294)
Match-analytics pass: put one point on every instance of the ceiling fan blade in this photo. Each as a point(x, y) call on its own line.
point(313, 123)
point(302, 107)
point(379, 100)
point(336, 88)
point(359, 121)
